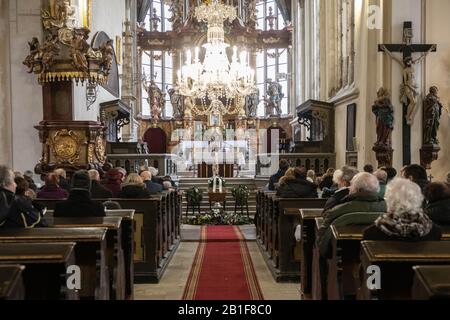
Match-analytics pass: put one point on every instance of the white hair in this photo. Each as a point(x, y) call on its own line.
point(153, 171)
point(167, 185)
point(93, 174)
point(364, 182)
point(6, 176)
point(403, 195)
point(337, 176)
point(381, 175)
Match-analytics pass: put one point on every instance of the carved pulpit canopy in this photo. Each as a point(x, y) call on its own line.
point(65, 54)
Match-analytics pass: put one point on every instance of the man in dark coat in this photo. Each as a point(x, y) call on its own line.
point(152, 187)
point(416, 174)
point(283, 166)
point(79, 203)
point(63, 182)
point(7, 192)
point(297, 186)
point(97, 190)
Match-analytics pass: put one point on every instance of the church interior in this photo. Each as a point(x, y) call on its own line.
point(224, 150)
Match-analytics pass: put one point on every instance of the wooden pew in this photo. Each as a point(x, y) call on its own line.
point(128, 227)
point(431, 283)
point(316, 285)
point(343, 277)
point(396, 261)
point(114, 252)
point(90, 253)
point(45, 264)
point(277, 241)
point(11, 282)
point(153, 250)
point(307, 223)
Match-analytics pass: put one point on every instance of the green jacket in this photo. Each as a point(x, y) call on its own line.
point(382, 189)
point(358, 202)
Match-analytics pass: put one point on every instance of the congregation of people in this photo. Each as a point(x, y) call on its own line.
point(411, 207)
point(78, 195)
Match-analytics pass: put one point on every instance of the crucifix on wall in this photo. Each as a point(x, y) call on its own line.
point(409, 90)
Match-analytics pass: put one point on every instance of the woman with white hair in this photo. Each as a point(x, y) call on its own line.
point(405, 219)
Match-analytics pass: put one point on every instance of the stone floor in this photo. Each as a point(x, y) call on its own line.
point(172, 284)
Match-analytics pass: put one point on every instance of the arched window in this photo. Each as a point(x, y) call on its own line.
point(271, 64)
point(158, 64)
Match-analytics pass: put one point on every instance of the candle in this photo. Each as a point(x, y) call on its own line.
point(220, 185)
point(196, 54)
point(214, 184)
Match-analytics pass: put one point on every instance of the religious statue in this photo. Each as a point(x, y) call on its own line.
point(188, 106)
point(176, 7)
point(275, 96)
point(35, 54)
point(432, 111)
point(61, 15)
point(384, 112)
point(78, 49)
point(156, 99)
point(107, 51)
point(252, 102)
point(251, 14)
point(177, 102)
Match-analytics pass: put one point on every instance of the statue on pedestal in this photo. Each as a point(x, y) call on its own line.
point(432, 112)
point(275, 96)
point(177, 103)
point(156, 99)
point(252, 102)
point(384, 112)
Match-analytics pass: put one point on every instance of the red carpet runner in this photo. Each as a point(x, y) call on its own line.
point(222, 268)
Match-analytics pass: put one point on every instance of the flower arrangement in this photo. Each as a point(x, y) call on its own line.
point(217, 217)
point(241, 194)
point(217, 182)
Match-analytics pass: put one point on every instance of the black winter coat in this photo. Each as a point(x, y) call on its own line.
point(439, 212)
point(133, 191)
point(79, 204)
point(297, 188)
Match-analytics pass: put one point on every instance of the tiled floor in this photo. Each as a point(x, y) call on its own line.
point(172, 284)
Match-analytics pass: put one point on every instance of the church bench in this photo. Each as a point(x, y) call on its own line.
point(316, 285)
point(307, 223)
point(45, 272)
point(127, 231)
point(114, 252)
point(153, 250)
point(90, 253)
point(281, 243)
point(11, 282)
point(431, 282)
point(396, 261)
point(128, 227)
point(343, 278)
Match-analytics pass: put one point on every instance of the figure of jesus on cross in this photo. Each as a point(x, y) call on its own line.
point(409, 89)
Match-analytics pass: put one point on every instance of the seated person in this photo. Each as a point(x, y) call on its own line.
point(17, 210)
point(343, 184)
point(283, 166)
point(311, 176)
point(113, 181)
point(134, 188)
point(391, 173)
point(363, 197)
point(382, 179)
point(328, 192)
point(62, 179)
point(51, 189)
point(97, 190)
point(152, 187)
point(437, 195)
point(80, 203)
point(405, 219)
point(368, 168)
point(297, 186)
point(155, 178)
point(326, 181)
point(28, 175)
point(416, 174)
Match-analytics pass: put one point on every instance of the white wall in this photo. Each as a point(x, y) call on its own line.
point(438, 73)
point(26, 97)
point(108, 16)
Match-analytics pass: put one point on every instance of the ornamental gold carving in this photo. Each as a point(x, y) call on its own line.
point(66, 146)
point(100, 149)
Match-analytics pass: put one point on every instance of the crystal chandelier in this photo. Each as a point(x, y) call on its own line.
point(219, 84)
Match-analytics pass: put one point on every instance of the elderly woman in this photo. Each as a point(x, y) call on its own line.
point(342, 179)
point(437, 195)
point(405, 219)
point(134, 188)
